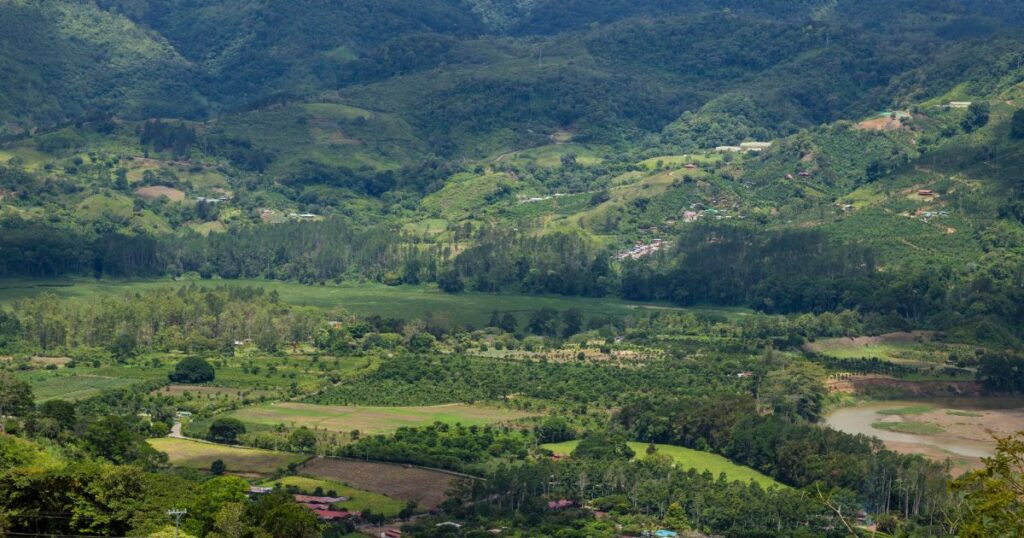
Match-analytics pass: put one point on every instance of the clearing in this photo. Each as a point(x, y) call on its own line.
point(910, 348)
point(371, 420)
point(427, 488)
point(152, 193)
point(686, 458)
point(244, 461)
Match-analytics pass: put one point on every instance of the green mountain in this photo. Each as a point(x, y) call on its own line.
point(502, 130)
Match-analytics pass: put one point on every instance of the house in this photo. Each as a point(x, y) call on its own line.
point(744, 375)
point(926, 193)
point(729, 149)
point(804, 174)
point(690, 166)
point(313, 499)
point(335, 515)
point(256, 491)
point(790, 176)
point(183, 414)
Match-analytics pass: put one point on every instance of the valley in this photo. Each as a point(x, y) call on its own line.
point(520, 268)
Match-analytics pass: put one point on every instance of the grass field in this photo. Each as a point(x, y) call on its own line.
point(687, 459)
point(909, 426)
point(915, 349)
point(407, 302)
point(75, 387)
point(196, 455)
point(427, 488)
point(910, 410)
point(344, 419)
point(358, 500)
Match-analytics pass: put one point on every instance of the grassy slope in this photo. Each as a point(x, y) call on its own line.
point(185, 453)
point(687, 458)
point(372, 420)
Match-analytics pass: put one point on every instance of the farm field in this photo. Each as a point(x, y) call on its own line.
point(358, 500)
point(912, 348)
point(687, 459)
point(364, 299)
point(75, 387)
point(247, 461)
point(371, 420)
point(427, 488)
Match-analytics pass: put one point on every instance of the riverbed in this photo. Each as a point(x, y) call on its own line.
point(962, 430)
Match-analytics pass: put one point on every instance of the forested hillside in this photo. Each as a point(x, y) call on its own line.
point(523, 146)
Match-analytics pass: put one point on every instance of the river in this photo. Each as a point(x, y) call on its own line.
point(968, 436)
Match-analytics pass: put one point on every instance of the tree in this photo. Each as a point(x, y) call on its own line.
point(508, 323)
point(993, 497)
point(124, 345)
point(217, 468)
point(15, 397)
point(977, 117)
point(603, 446)
point(281, 517)
point(62, 411)
point(192, 370)
point(554, 430)
point(113, 438)
point(225, 430)
point(421, 342)
point(451, 282)
point(572, 321)
point(543, 322)
point(302, 440)
point(1017, 125)
point(797, 390)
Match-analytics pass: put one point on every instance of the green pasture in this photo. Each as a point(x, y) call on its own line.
point(73, 387)
point(371, 420)
point(551, 156)
point(407, 302)
point(688, 459)
point(358, 500)
point(198, 455)
point(674, 161)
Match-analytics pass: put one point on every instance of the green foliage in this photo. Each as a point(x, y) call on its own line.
point(225, 430)
point(302, 440)
point(1017, 125)
point(192, 370)
point(603, 446)
point(992, 504)
point(15, 395)
point(118, 440)
point(459, 448)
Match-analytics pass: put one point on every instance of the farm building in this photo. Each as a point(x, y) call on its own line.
point(335, 515)
point(959, 104)
point(312, 499)
point(927, 193)
point(728, 149)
